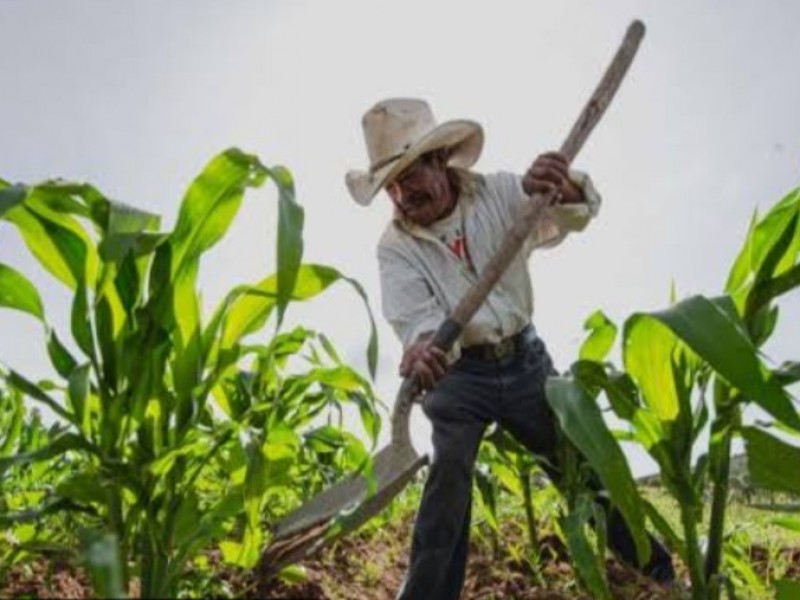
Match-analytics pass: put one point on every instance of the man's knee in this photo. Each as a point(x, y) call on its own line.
point(453, 463)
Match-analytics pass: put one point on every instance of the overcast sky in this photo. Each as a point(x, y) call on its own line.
point(137, 96)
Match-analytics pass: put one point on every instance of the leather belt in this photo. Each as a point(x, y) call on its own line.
point(506, 347)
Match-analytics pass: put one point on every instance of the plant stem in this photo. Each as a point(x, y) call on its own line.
point(726, 419)
point(694, 556)
point(117, 525)
point(525, 480)
point(530, 517)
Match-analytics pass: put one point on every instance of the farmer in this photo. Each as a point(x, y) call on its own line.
point(447, 223)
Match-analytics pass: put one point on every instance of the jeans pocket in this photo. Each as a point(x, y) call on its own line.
point(538, 360)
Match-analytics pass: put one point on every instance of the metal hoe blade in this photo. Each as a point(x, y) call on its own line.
point(347, 505)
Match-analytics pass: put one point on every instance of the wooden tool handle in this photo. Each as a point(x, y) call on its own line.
point(449, 331)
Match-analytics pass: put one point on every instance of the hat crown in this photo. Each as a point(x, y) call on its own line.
point(392, 126)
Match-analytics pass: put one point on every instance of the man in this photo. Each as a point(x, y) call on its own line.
point(448, 221)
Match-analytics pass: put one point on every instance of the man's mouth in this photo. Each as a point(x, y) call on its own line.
point(417, 200)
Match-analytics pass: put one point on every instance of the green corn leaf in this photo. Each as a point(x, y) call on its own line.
point(709, 329)
point(211, 203)
point(186, 518)
point(648, 356)
point(246, 309)
point(602, 333)
point(370, 417)
point(758, 261)
point(84, 487)
point(372, 345)
point(187, 364)
point(57, 240)
point(81, 322)
point(78, 395)
point(208, 208)
point(110, 218)
point(788, 373)
point(192, 445)
point(63, 361)
point(125, 219)
point(18, 293)
point(49, 506)
point(586, 561)
point(11, 432)
point(329, 348)
point(790, 523)
point(62, 443)
point(763, 322)
point(11, 196)
point(36, 393)
point(741, 565)
point(509, 479)
point(326, 439)
point(115, 247)
point(582, 422)
point(257, 481)
point(487, 499)
point(233, 554)
point(249, 306)
point(128, 285)
point(786, 589)
point(666, 530)
point(622, 394)
point(107, 321)
point(772, 463)
point(290, 238)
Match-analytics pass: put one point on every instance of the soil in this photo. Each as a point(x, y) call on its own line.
point(372, 565)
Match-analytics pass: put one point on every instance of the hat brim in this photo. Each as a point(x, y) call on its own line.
point(464, 138)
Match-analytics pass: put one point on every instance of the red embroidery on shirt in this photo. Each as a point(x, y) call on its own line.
point(459, 247)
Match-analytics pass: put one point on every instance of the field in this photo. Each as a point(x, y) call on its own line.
point(371, 564)
point(176, 440)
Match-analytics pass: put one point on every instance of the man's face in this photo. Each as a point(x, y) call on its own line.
point(422, 192)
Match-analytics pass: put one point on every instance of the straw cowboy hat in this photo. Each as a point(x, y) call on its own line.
point(400, 130)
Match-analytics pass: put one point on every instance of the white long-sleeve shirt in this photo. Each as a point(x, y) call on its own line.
point(422, 280)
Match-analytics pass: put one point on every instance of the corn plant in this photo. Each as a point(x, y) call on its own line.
point(22, 532)
point(293, 424)
point(146, 399)
point(673, 360)
point(506, 469)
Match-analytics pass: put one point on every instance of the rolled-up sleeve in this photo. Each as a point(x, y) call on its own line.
point(407, 301)
point(558, 221)
point(575, 217)
point(555, 222)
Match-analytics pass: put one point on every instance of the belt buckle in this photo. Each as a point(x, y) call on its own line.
point(503, 348)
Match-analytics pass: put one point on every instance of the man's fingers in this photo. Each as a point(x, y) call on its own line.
point(425, 375)
point(539, 186)
point(436, 366)
point(548, 169)
point(428, 361)
point(405, 366)
point(543, 173)
point(556, 157)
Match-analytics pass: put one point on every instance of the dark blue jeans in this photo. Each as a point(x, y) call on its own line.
point(474, 393)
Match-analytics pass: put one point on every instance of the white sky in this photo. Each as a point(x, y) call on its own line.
point(137, 96)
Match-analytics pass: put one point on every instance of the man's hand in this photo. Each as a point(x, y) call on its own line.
point(429, 361)
point(549, 172)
